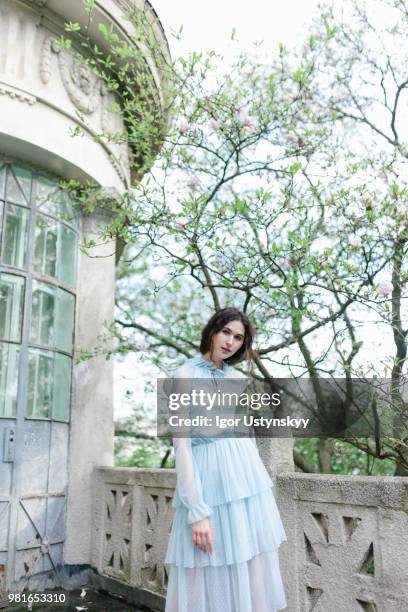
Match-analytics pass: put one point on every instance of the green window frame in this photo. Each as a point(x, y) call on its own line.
point(39, 226)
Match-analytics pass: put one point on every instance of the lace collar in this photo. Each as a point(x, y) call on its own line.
point(209, 365)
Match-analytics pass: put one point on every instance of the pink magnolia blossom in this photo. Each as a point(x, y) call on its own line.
point(384, 288)
point(292, 138)
point(402, 212)
point(183, 126)
point(213, 124)
point(355, 241)
point(193, 182)
point(246, 120)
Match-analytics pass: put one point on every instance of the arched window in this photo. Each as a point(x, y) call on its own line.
point(39, 237)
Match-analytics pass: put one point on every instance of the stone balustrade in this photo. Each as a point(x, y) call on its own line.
point(347, 547)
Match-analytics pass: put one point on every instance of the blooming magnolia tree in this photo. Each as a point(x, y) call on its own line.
point(279, 189)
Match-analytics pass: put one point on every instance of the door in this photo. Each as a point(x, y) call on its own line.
point(37, 305)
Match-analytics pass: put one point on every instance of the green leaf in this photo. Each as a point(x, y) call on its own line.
point(295, 167)
point(102, 28)
point(72, 27)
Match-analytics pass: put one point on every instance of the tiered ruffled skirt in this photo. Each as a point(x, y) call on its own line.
point(242, 574)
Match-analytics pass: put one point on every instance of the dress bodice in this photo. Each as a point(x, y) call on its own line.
point(200, 368)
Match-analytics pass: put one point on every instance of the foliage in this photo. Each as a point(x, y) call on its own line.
point(136, 443)
point(278, 189)
point(346, 459)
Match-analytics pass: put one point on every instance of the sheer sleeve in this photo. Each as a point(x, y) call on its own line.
point(188, 481)
point(188, 485)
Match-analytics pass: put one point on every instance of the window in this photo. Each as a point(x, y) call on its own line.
point(39, 238)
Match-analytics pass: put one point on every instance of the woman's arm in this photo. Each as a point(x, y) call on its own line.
point(189, 482)
point(188, 479)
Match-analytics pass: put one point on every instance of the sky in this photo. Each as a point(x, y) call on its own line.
point(208, 25)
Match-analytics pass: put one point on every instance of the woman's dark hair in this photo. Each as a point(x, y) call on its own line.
point(217, 322)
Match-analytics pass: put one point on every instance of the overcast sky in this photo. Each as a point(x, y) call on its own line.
point(208, 25)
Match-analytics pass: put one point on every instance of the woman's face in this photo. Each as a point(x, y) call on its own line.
point(228, 340)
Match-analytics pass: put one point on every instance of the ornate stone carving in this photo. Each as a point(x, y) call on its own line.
point(339, 550)
point(118, 167)
point(154, 533)
point(45, 59)
point(17, 94)
point(86, 91)
point(82, 86)
point(118, 509)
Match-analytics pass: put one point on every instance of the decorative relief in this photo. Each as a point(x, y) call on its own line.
point(81, 85)
point(87, 92)
point(45, 59)
point(117, 532)
point(157, 515)
point(118, 167)
point(339, 550)
point(17, 94)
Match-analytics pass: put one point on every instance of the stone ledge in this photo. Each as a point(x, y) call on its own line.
point(379, 491)
point(143, 598)
point(153, 477)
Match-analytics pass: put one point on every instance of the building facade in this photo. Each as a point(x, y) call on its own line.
point(56, 411)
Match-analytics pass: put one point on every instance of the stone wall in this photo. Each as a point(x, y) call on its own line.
point(347, 543)
point(347, 548)
point(132, 516)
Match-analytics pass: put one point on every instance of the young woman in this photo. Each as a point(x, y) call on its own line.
point(226, 531)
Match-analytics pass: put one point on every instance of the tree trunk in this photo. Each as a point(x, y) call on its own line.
point(325, 453)
point(401, 469)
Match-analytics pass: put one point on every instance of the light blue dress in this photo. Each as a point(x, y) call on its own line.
point(223, 479)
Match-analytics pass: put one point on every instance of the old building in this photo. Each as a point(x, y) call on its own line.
point(56, 414)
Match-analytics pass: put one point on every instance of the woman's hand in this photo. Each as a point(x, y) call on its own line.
point(203, 535)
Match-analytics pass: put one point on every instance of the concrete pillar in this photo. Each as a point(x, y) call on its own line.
point(277, 454)
point(91, 437)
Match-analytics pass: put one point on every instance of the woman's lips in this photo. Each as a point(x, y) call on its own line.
point(225, 350)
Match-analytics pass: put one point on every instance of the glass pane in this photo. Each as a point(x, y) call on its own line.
point(18, 185)
point(45, 253)
point(48, 196)
point(43, 314)
point(2, 181)
point(62, 387)
point(67, 256)
point(39, 395)
point(65, 320)
point(15, 236)
point(11, 306)
point(53, 200)
point(9, 357)
point(70, 213)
